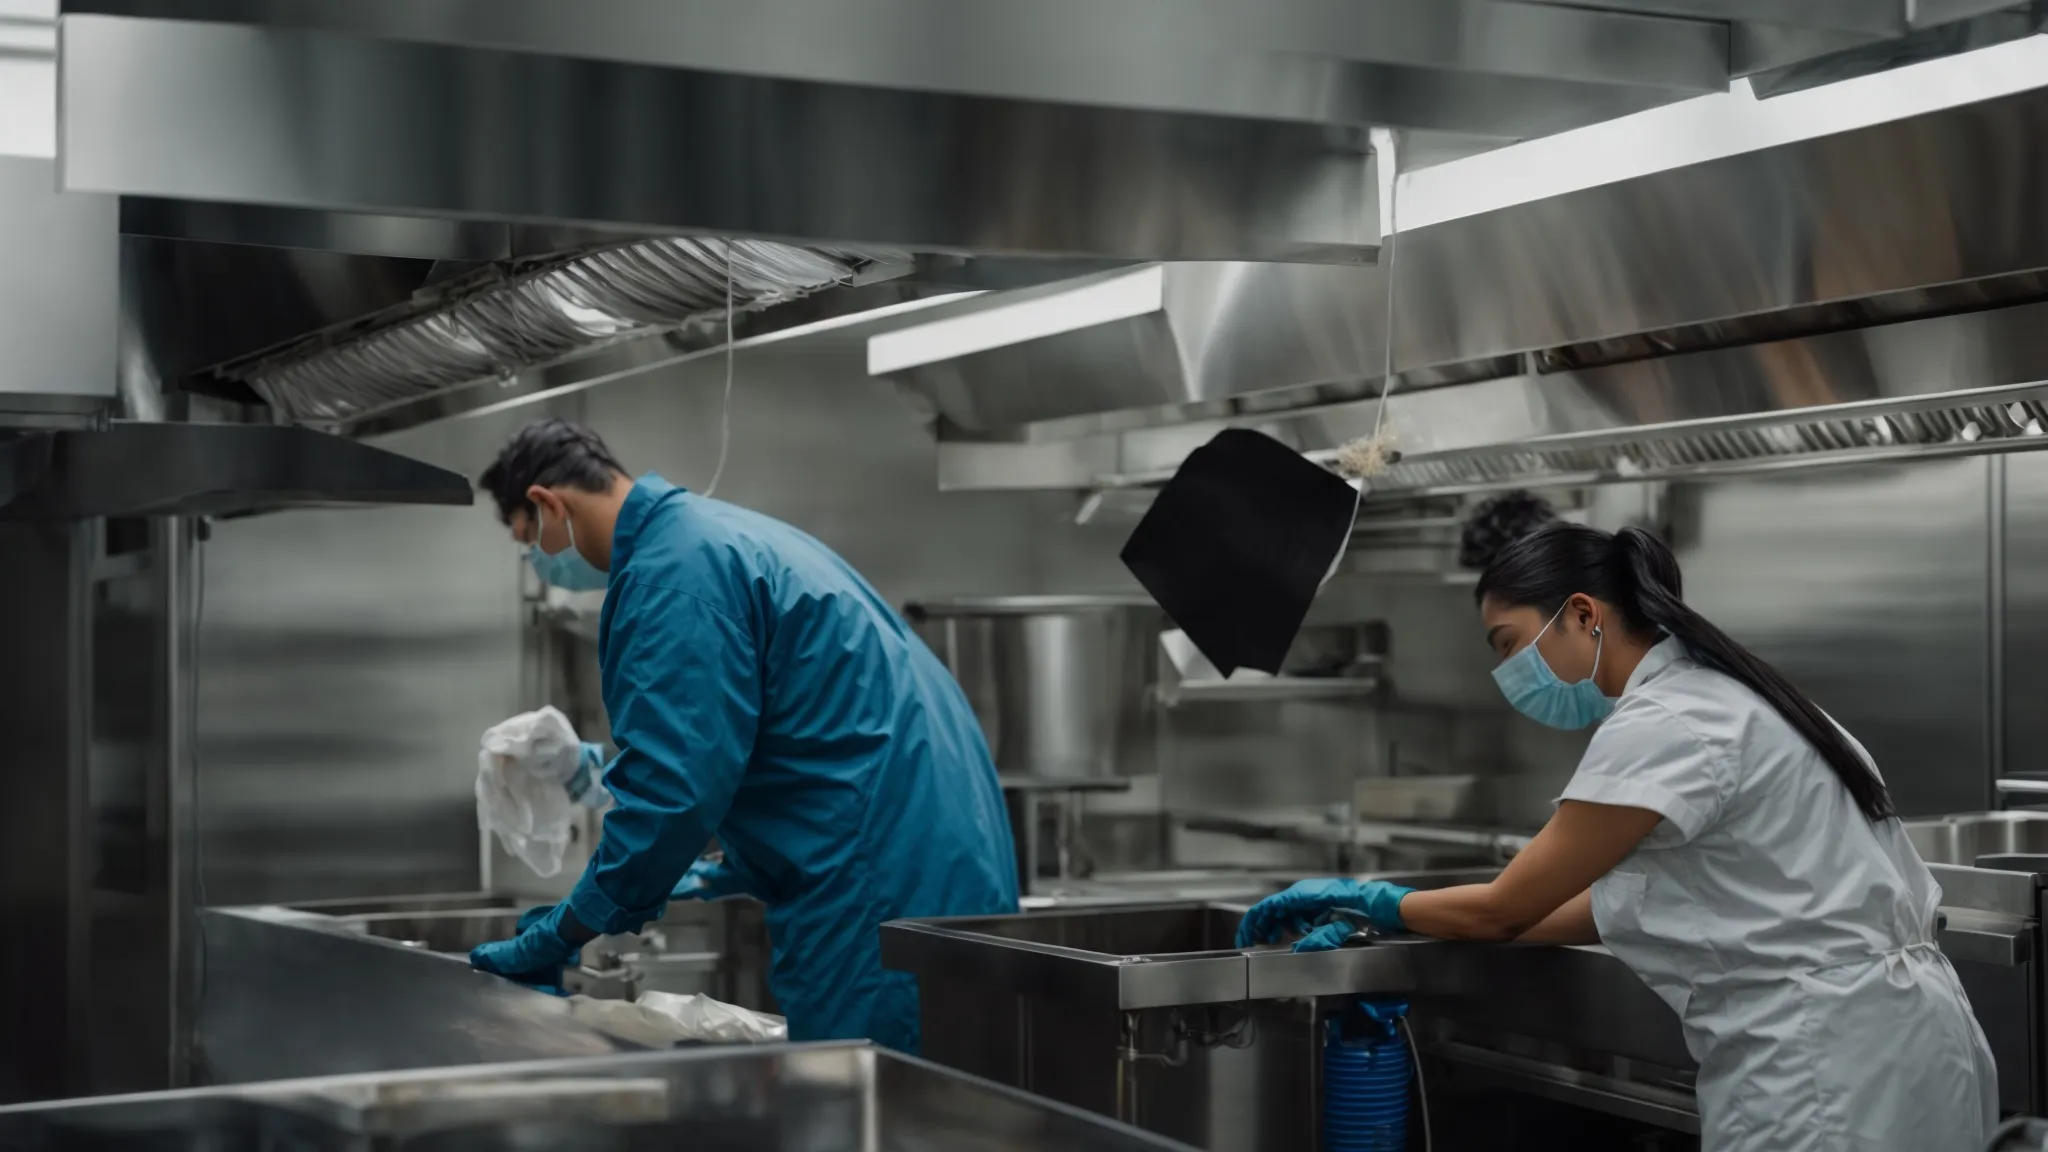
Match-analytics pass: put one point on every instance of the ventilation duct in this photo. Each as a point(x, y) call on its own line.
point(2007, 421)
point(559, 308)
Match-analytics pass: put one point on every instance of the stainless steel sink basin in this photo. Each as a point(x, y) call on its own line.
point(453, 923)
point(1123, 931)
point(719, 948)
point(1962, 839)
point(438, 931)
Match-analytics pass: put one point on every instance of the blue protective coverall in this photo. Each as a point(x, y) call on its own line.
point(761, 691)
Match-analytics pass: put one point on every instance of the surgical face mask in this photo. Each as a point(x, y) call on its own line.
point(567, 569)
point(1536, 692)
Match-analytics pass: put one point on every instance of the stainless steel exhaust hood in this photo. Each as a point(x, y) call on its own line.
point(1788, 265)
point(923, 125)
point(1952, 385)
point(486, 160)
point(1125, 129)
point(140, 469)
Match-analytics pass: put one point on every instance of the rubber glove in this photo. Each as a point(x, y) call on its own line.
point(1330, 936)
point(536, 956)
point(708, 879)
point(1298, 908)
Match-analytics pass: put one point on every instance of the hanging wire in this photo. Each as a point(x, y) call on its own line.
point(725, 410)
point(200, 531)
point(1370, 455)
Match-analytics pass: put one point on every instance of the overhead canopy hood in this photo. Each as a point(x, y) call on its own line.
point(139, 469)
point(1128, 129)
point(1793, 252)
point(420, 171)
point(921, 125)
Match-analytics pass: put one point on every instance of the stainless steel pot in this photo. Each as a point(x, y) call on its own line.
point(1058, 682)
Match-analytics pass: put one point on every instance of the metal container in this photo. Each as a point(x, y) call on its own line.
point(1962, 839)
point(1149, 1013)
point(1058, 682)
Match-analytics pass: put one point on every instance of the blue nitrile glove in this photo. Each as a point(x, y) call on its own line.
point(708, 879)
point(1298, 908)
point(533, 957)
point(584, 785)
point(1329, 936)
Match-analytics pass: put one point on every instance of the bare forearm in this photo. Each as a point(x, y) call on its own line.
point(1536, 892)
point(1571, 924)
point(1467, 912)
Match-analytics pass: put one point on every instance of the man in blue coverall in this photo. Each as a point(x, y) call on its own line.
point(760, 691)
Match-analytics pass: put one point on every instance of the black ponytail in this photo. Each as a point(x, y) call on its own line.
point(1635, 573)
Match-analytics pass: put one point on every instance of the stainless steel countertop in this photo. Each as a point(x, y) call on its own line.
point(809, 1097)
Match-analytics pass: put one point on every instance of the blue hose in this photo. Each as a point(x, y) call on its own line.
point(1366, 1069)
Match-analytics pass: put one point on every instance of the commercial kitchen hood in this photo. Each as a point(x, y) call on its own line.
point(1123, 129)
point(1847, 273)
point(182, 469)
point(433, 182)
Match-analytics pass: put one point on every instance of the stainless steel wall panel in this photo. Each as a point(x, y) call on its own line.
point(2026, 615)
point(815, 442)
point(349, 662)
point(1868, 589)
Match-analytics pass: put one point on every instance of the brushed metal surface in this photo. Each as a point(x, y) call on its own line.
point(97, 851)
point(1499, 69)
point(1029, 1000)
point(1907, 388)
point(350, 660)
point(1843, 579)
point(1293, 334)
point(2025, 620)
point(285, 117)
point(292, 996)
point(1763, 230)
point(1058, 683)
point(836, 1097)
point(1961, 839)
point(1749, 230)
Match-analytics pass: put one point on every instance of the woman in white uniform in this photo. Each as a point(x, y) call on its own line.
point(1727, 841)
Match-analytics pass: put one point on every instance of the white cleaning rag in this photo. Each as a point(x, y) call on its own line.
point(531, 774)
point(662, 1019)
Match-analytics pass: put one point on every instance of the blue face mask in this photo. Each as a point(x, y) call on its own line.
point(567, 569)
point(1536, 692)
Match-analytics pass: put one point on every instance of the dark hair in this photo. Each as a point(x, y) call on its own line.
point(1635, 573)
point(553, 454)
point(1498, 523)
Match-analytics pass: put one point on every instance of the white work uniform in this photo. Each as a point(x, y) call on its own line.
point(1793, 937)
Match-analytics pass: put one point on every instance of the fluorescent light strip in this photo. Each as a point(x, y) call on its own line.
point(1120, 297)
point(1709, 128)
